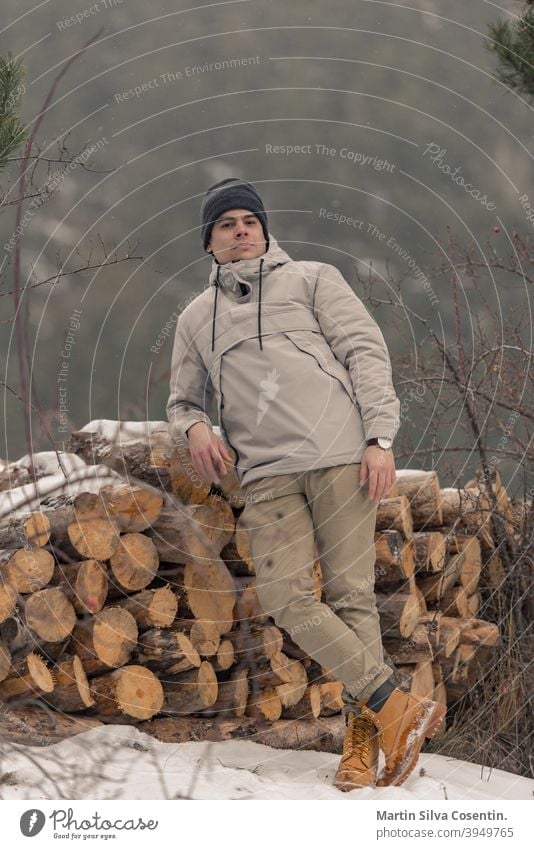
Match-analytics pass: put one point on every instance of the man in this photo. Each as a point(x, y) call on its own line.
point(302, 379)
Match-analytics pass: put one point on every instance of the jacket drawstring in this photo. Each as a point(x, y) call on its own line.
point(217, 284)
point(259, 306)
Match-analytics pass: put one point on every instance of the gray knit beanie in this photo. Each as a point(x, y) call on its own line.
point(231, 193)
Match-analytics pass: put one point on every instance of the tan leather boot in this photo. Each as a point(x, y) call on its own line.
point(403, 722)
point(359, 761)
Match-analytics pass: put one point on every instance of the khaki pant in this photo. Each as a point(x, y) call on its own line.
point(282, 513)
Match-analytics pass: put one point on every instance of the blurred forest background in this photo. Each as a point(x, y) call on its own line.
point(384, 86)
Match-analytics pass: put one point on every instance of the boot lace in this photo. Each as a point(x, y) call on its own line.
point(361, 729)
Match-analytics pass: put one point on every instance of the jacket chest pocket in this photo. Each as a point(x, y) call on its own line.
point(329, 364)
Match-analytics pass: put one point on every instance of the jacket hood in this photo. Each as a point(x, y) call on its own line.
point(240, 276)
point(246, 270)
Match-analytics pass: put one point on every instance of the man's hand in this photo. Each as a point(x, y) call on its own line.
point(208, 452)
point(378, 467)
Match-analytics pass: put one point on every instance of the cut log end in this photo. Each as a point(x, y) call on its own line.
point(50, 614)
point(93, 538)
point(30, 569)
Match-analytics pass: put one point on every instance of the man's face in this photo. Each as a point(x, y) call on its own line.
point(237, 234)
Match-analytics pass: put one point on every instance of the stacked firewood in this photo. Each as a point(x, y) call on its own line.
point(138, 601)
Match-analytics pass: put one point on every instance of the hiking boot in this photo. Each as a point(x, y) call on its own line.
point(403, 722)
point(359, 760)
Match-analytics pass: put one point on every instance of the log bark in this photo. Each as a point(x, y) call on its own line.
point(264, 704)
point(8, 598)
point(193, 533)
point(308, 707)
point(72, 690)
point(394, 514)
point(450, 504)
point(28, 678)
point(232, 696)
point(320, 735)
point(454, 602)
point(203, 633)
point(394, 558)
point(398, 613)
point(79, 527)
point(461, 672)
point(26, 530)
point(155, 460)
point(5, 660)
point(280, 669)
point(191, 691)
point(152, 608)
point(167, 651)
point(430, 551)
point(260, 643)
point(421, 678)
point(493, 574)
point(422, 490)
point(443, 633)
point(247, 608)
point(434, 586)
point(416, 648)
point(21, 641)
point(330, 693)
point(477, 632)
point(236, 552)
point(38, 726)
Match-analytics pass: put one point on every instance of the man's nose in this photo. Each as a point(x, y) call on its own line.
point(241, 230)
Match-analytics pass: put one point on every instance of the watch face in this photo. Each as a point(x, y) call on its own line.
point(384, 443)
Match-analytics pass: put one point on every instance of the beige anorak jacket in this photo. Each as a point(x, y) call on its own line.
point(298, 367)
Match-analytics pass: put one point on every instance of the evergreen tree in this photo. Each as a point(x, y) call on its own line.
point(513, 43)
point(12, 133)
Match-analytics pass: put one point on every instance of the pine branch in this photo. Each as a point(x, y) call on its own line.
point(12, 132)
point(513, 44)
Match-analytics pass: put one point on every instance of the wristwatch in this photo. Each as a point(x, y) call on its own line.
point(382, 442)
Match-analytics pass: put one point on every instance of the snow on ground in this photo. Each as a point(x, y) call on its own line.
point(119, 761)
point(81, 478)
point(124, 431)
